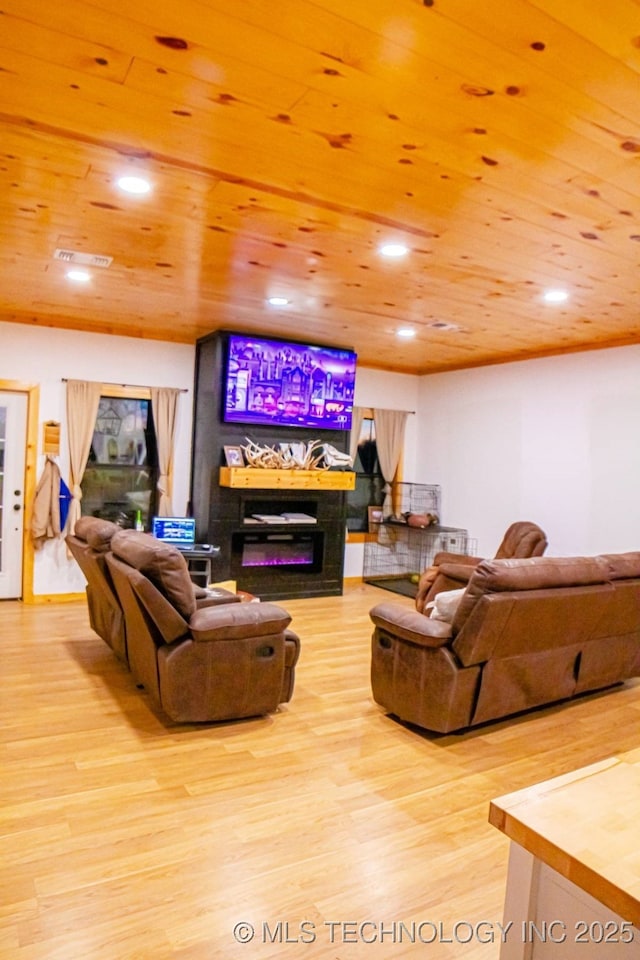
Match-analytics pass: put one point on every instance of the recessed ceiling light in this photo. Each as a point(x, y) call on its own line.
point(405, 332)
point(278, 301)
point(78, 276)
point(555, 296)
point(133, 184)
point(393, 250)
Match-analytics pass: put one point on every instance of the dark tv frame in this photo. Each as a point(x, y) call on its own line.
point(302, 422)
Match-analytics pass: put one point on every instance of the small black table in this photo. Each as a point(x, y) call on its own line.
point(199, 562)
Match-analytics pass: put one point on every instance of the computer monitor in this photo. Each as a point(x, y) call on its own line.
point(178, 531)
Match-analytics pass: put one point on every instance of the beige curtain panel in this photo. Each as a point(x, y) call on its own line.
point(390, 427)
point(83, 398)
point(356, 424)
point(164, 401)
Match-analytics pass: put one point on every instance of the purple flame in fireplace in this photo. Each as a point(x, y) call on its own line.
point(275, 561)
point(277, 554)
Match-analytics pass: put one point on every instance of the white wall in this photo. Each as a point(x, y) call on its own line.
point(391, 391)
point(44, 356)
point(555, 440)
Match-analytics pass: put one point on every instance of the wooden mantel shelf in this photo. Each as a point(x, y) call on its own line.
point(255, 478)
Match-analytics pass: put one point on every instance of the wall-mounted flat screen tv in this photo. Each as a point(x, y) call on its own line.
point(282, 383)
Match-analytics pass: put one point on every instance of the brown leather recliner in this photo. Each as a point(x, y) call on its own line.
point(89, 546)
point(525, 633)
point(452, 571)
point(219, 662)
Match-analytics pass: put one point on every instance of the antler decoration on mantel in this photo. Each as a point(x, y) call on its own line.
point(314, 455)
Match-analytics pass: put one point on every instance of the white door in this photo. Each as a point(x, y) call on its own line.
point(13, 445)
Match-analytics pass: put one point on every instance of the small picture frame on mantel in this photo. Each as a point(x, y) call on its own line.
point(234, 457)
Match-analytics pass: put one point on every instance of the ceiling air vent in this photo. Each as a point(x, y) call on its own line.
point(83, 259)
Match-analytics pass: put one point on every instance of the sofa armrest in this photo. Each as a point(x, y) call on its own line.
point(409, 625)
point(448, 572)
point(462, 572)
point(444, 557)
point(291, 647)
point(237, 621)
point(214, 597)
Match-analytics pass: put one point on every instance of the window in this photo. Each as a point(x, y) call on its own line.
point(122, 471)
point(369, 481)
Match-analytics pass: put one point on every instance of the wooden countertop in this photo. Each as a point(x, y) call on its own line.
point(586, 826)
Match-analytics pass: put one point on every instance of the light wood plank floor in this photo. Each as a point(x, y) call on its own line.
point(127, 837)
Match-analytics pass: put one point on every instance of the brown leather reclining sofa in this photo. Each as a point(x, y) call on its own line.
point(200, 655)
point(526, 632)
point(89, 545)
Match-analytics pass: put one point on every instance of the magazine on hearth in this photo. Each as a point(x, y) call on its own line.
point(299, 518)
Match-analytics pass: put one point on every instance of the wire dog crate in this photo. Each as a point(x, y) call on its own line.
point(416, 498)
point(395, 554)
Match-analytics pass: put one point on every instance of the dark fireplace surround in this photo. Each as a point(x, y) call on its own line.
point(273, 561)
point(276, 560)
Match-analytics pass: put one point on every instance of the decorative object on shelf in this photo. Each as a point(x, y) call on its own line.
point(420, 519)
point(286, 456)
point(51, 438)
point(336, 458)
point(233, 456)
point(314, 455)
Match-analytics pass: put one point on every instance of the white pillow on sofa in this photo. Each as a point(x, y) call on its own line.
point(444, 605)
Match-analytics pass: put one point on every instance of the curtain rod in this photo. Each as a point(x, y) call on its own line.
point(134, 386)
point(410, 413)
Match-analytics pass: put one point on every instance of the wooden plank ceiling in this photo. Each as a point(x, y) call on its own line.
point(500, 142)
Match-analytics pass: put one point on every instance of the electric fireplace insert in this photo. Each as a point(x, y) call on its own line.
point(299, 551)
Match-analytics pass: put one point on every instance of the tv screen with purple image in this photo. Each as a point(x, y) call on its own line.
point(282, 383)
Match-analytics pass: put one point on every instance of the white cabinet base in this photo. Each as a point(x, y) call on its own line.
point(551, 917)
